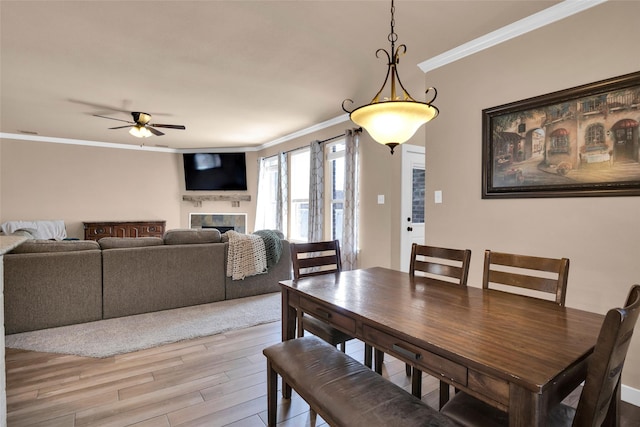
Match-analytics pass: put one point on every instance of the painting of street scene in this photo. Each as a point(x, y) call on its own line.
point(559, 146)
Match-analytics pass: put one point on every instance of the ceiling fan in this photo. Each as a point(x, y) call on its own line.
point(140, 126)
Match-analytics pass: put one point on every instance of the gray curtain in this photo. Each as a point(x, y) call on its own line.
point(316, 193)
point(349, 241)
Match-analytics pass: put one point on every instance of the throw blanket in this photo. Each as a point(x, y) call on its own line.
point(39, 229)
point(272, 245)
point(252, 254)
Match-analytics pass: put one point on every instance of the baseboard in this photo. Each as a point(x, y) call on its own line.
point(630, 395)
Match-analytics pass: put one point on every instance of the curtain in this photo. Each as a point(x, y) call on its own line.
point(349, 241)
point(282, 193)
point(262, 199)
point(316, 192)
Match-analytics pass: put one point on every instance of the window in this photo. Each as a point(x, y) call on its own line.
point(594, 135)
point(299, 195)
point(559, 141)
point(297, 218)
point(335, 164)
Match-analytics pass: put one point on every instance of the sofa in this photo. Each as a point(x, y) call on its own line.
point(57, 283)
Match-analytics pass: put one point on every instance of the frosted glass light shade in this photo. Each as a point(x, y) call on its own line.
point(393, 122)
point(140, 132)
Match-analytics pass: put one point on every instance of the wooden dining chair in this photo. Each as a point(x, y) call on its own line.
point(600, 398)
point(312, 259)
point(541, 275)
point(444, 265)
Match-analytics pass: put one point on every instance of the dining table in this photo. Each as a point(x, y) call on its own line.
point(521, 354)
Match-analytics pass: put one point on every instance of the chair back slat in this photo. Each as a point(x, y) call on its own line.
point(443, 262)
point(553, 280)
point(600, 396)
point(541, 284)
point(438, 269)
point(312, 259)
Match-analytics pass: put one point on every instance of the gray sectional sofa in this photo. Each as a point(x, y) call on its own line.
point(56, 283)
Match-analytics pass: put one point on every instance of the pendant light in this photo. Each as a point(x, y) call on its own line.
point(394, 119)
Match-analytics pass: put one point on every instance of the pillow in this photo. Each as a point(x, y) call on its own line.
point(40, 246)
point(129, 242)
point(191, 235)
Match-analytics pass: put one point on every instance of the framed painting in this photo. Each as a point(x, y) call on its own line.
point(582, 141)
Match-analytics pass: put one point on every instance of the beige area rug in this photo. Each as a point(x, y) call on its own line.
point(106, 338)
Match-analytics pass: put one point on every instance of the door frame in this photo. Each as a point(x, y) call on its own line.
point(405, 201)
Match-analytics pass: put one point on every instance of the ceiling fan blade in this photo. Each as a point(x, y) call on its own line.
point(99, 106)
point(113, 118)
point(156, 132)
point(121, 127)
point(168, 126)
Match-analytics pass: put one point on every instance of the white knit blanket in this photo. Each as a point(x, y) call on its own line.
point(40, 229)
point(247, 255)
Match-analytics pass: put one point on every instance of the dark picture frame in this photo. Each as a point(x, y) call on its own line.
point(583, 141)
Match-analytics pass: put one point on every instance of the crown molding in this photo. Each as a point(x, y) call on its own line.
point(311, 129)
point(84, 142)
point(537, 20)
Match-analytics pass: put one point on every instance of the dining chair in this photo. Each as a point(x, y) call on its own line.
point(443, 265)
point(543, 276)
point(312, 259)
point(600, 398)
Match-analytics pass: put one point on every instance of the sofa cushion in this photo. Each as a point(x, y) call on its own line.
point(129, 242)
point(39, 246)
point(186, 236)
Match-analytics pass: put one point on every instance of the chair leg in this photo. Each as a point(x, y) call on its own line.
point(407, 369)
point(368, 355)
point(416, 383)
point(343, 346)
point(272, 391)
point(444, 393)
point(300, 328)
point(377, 360)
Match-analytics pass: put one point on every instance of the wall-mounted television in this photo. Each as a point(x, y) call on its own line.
point(215, 171)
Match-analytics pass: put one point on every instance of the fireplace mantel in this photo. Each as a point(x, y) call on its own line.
point(235, 199)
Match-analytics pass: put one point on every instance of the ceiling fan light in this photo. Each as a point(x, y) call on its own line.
point(393, 122)
point(140, 132)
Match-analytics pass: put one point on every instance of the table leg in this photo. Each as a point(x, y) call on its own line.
point(525, 408)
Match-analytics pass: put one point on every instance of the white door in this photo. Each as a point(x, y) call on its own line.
point(412, 200)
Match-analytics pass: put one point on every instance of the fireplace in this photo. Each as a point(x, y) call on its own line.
point(221, 221)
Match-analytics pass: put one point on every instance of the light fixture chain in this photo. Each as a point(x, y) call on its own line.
point(393, 37)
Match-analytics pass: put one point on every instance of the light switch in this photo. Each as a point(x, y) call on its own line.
point(381, 199)
point(437, 196)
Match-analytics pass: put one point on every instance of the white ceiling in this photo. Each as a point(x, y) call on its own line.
point(237, 74)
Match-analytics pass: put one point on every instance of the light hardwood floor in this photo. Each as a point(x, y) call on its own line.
point(213, 381)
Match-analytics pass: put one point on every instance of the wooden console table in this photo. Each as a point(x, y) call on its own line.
point(98, 230)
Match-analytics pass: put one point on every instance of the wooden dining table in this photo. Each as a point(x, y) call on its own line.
point(520, 354)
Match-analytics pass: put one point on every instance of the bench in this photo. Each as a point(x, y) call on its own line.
point(342, 390)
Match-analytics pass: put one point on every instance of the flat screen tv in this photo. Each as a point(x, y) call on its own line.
point(215, 171)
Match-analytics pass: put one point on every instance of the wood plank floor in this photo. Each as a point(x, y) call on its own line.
point(213, 381)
